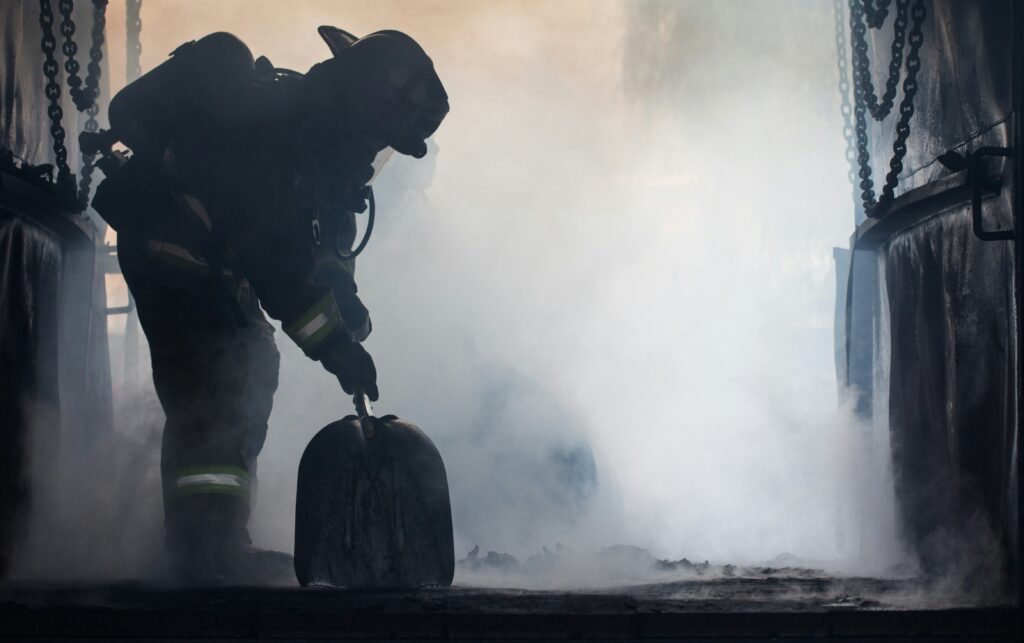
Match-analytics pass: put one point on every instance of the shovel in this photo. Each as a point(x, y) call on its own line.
point(372, 507)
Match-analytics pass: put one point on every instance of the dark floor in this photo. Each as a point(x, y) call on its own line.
point(791, 605)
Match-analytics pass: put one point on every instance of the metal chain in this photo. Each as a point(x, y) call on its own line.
point(845, 106)
point(92, 81)
point(99, 25)
point(859, 22)
point(876, 15)
point(52, 91)
point(899, 146)
point(861, 69)
point(133, 24)
point(70, 49)
point(83, 98)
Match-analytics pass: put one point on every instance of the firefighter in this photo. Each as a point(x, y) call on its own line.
point(241, 196)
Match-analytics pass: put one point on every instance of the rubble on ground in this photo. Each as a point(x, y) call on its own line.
point(614, 565)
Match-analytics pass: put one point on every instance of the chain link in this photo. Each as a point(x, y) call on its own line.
point(94, 68)
point(82, 97)
point(864, 94)
point(52, 91)
point(876, 15)
point(845, 107)
point(92, 81)
point(85, 99)
point(859, 23)
point(70, 49)
point(133, 25)
point(899, 146)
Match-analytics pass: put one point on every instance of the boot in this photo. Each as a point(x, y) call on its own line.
point(206, 536)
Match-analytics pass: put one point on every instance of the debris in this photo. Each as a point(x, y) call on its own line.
point(493, 562)
point(611, 565)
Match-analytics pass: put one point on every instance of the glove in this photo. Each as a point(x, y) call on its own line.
point(355, 316)
point(353, 367)
point(332, 272)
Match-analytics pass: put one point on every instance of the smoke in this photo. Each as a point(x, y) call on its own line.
point(623, 261)
point(607, 293)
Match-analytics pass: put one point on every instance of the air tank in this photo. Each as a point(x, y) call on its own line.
point(189, 92)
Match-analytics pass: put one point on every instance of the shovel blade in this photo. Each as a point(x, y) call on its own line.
point(373, 508)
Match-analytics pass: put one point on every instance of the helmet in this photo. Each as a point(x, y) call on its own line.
point(383, 85)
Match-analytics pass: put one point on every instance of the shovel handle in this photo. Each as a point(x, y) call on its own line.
point(362, 402)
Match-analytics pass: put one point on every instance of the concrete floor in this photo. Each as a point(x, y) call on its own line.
point(789, 604)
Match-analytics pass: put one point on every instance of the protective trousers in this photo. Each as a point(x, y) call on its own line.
point(215, 370)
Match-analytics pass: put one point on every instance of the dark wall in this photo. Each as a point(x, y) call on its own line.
point(950, 382)
point(29, 390)
point(951, 392)
point(964, 98)
point(54, 368)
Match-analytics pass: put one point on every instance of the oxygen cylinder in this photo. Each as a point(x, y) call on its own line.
point(188, 93)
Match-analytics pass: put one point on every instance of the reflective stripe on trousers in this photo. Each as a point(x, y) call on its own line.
point(224, 479)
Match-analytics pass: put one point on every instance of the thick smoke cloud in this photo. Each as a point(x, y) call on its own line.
point(608, 292)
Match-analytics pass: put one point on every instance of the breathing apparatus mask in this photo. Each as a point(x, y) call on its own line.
point(383, 89)
point(382, 86)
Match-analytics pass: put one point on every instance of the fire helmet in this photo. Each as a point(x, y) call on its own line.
point(383, 85)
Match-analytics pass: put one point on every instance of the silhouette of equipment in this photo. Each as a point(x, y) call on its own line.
point(372, 506)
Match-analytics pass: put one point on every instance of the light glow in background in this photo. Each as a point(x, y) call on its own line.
point(620, 245)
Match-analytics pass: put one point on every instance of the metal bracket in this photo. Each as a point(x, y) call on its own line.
point(110, 267)
point(122, 310)
point(977, 183)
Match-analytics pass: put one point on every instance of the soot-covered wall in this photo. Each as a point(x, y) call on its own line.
point(54, 369)
point(947, 318)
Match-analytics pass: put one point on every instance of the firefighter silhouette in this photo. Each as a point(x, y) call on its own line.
point(240, 196)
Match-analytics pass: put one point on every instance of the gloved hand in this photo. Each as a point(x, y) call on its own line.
point(353, 367)
point(355, 316)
